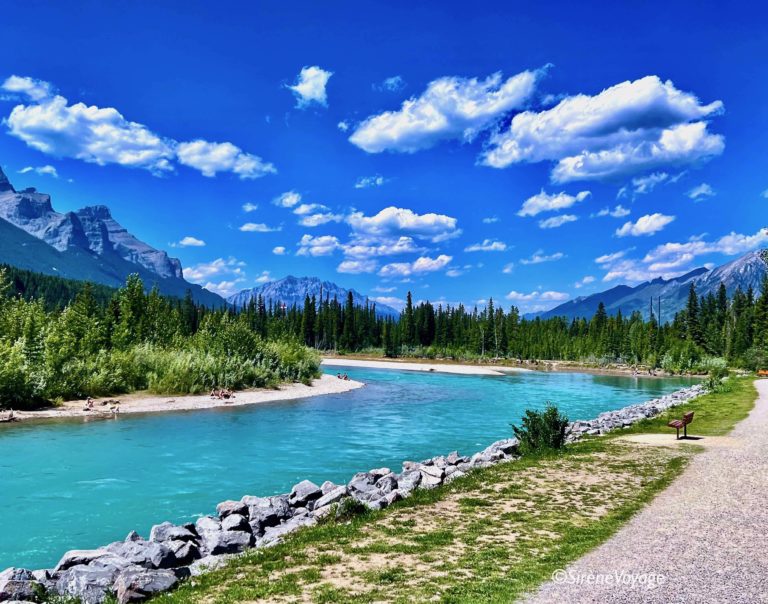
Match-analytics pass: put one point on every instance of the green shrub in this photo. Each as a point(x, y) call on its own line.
point(542, 430)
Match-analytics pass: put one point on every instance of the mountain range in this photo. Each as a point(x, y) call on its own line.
point(87, 245)
point(292, 290)
point(742, 273)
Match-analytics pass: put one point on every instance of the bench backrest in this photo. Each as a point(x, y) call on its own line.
point(688, 417)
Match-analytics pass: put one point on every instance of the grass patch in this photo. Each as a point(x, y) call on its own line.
point(491, 536)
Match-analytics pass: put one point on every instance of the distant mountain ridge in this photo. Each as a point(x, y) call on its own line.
point(292, 290)
point(88, 245)
point(742, 273)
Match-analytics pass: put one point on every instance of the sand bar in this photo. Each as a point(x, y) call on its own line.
point(142, 403)
point(419, 366)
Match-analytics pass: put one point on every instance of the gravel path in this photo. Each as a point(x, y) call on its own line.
point(706, 535)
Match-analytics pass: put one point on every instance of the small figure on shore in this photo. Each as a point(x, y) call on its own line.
point(88, 404)
point(346, 377)
point(115, 409)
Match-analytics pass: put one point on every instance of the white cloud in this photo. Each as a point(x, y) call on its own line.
point(618, 212)
point(490, 219)
point(381, 247)
point(211, 158)
point(391, 84)
point(313, 220)
point(671, 259)
point(250, 207)
point(450, 108)
point(259, 227)
point(642, 185)
point(279, 250)
point(101, 135)
point(310, 87)
point(393, 301)
point(323, 245)
point(645, 225)
point(585, 281)
point(366, 182)
point(539, 256)
point(557, 221)
point(423, 264)
point(355, 267)
point(700, 192)
point(545, 296)
point(508, 268)
point(544, 202)
point(628, 128)
point(189, 241)
point(488, 245)
point(46, 170)
point(308, 208)
point(384, 290)
point(343, 126)
point(764, 194)
point(264, 277)
point(37, 90)
point(223, 288)
point(287, 199)
point(221, 267)
point(392, 221)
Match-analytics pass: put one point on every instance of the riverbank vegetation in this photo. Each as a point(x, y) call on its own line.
point(134, 341)
point(490, 536)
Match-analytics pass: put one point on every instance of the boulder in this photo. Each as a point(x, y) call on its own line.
point(433, 471)
point(454, 475)
point(236, 522)
point(267, 511)
point(18, 584)
point(408, 481)
point(136, 585)
point(331, 497)
point(387, 483)
point(364, 491)
point(328, 486)
point(227, 508)
point(379, 472)
point(146, 554)
point(409, 466)
point(185, 552)
point(77, 557)
point(275, 534)
point(215, 540)
point(208, 563)
point(133, 536)
point(304, 492)
point(167, 531)
point(91, 584)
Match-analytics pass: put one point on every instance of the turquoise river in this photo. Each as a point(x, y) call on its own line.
point(76, 485)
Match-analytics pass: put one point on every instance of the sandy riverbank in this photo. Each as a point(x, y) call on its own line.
point(143, 403)
point(420, 366)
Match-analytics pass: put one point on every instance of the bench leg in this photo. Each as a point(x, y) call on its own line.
point(677, 436)
point(685, 431)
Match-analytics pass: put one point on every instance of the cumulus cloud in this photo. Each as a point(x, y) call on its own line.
point(672, 259)
point(488, 245)
point(585, 281)
point(508, 268)
point(539, 257)
point(381, 247)
point(259, 227)
point(46, 170)
point(557, 221)
point(102, 135)
point(264, 277)
point(450, 108)
point(545, 296)
point(618, 212)
point(250, 207)
point(641, 185)
point(319, 218)
point(545, 202)
point(343, 126)
point(628, 128)
point(355, 267)
point(700, 192)
point(391, 84)
point(393, 221)
point(645, 225)
point(309, 87)
point(323, 245)
point(221, 275)
point(490, 219)
point(189, 241)
point(393, 301)
point(211, 158)
point(423, 264)
point(279, 250)
point(366, 182)
point(287, 200)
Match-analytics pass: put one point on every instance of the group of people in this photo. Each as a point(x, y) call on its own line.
point(222, 394)
point(9, 417)
point(342, 376)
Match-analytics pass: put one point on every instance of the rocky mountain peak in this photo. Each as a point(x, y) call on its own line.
point(5, 184)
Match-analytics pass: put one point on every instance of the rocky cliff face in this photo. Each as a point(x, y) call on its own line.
point(91, 229)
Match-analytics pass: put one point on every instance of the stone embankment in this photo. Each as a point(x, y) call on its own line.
point(137, 568)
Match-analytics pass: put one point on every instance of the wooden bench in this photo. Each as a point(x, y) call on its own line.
point(682, 423)
point(762, 373)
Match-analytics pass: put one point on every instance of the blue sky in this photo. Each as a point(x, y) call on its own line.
point(529, 153)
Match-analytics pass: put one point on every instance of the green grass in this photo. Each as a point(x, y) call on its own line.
point(715, 414)
point(490, 536)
